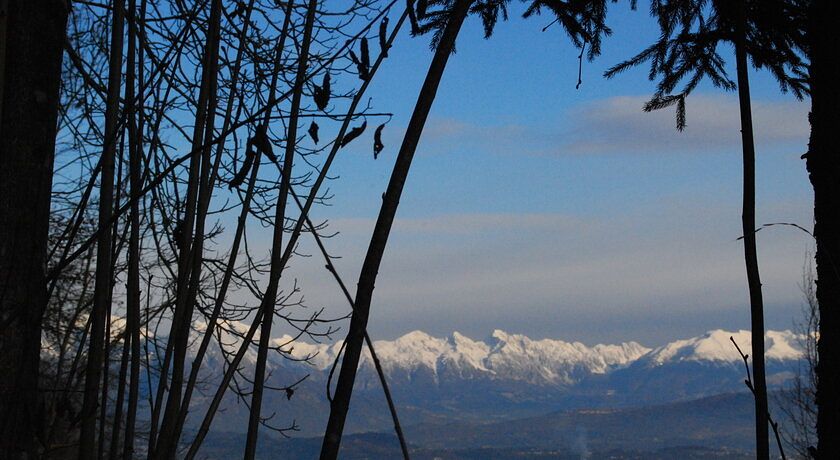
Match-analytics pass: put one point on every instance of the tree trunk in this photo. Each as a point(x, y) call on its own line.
point(750, 254)
point(103, 283)
point(31, 46)
point(823, 163)
point(240, 228)
point(191, 253)
point(135, 136)
point(376, 249)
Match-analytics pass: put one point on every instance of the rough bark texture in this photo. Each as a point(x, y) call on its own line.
point(370, 268)
point(30, 72)
point(824, 170)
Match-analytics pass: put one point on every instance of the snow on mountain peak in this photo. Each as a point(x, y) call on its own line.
point(503, 354)
point(716, 346)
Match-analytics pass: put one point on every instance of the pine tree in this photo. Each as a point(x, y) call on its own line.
point(687, 53)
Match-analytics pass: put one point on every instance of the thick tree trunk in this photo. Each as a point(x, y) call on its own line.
point(370, 268)
point(31, 46)
point(824, 170)
point(762, 439)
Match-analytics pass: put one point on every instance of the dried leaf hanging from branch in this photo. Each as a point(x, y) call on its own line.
point(243, 171)
point(383, 39)
point(313, 132)
point(354, 133)
point(377, 141)
point(260, 141)
point(363, 64)
point(365, 56)
point(322, 93)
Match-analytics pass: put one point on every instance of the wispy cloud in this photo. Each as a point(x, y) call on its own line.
point(550, 272)
point(619, 126)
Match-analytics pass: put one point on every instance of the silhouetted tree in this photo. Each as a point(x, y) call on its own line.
point(31, 43)
point(583, 20)
point(687, 51)
point(823, 164)
point(104, 250)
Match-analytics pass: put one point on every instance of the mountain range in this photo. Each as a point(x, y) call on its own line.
point(503, 377)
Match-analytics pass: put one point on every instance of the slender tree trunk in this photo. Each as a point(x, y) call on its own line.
point(132, 284)
point(135, 137)
point(750, 254)
point(367, 278)
point(824, 171)
point(191, 250)
point(248, 337)
point(376, 363)
point(103, 283)
point(277, 260)
point(240, 228)
point(31, 46)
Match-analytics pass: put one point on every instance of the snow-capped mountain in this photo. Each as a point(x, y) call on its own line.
point(716, 346)
point(500, 356)
point(546, 361)
point(510, 375)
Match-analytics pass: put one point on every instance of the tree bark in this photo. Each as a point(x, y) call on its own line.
point(823, 163)
point(31, 46)
point(370, 268)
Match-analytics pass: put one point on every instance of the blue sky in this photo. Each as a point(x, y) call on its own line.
point(540, 209)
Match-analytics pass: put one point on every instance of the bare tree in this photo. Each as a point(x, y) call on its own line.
point(798, 401)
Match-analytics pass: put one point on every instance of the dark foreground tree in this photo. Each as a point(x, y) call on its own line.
point(823, 163)
point(453, 17)
point(687, 51)
point(583, 20)
point(31, 43)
